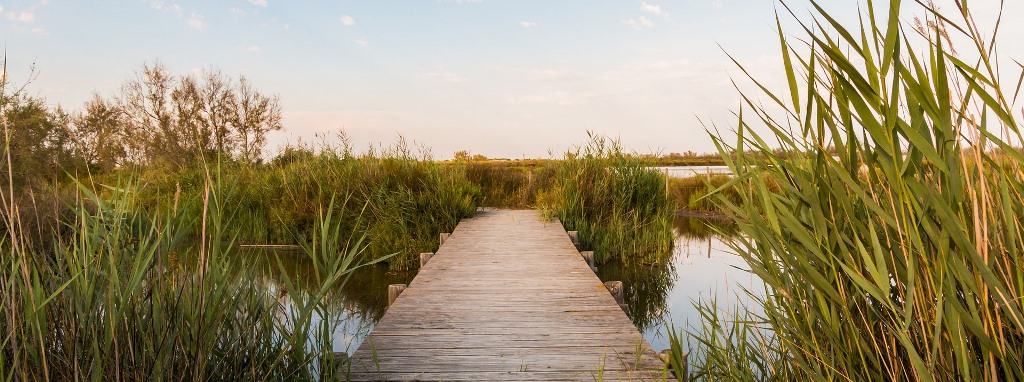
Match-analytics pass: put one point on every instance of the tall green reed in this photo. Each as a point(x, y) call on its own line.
point(892, 246)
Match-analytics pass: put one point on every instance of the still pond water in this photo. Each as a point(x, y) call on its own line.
point(702, 267)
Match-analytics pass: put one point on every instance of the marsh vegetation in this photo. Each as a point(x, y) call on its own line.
point(885, 228)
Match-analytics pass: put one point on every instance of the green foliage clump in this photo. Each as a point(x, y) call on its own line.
point(509, 184)
point(693, 194)
point(403, 201)
point(616, 202)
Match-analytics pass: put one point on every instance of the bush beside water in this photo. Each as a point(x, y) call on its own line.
point(402, 201)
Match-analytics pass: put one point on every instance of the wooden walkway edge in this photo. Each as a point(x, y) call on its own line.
point(506, 297)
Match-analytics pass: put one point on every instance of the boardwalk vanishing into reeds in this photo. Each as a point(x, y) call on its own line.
point(507, 296)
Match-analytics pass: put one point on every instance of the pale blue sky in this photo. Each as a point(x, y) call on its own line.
point(501, 78)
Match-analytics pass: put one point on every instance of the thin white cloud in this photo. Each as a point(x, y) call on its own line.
point(548, 74)
point(236, 11)
point(347, 20)
point(21, 17)
point(361, 42)
point(445, 77)
point(527, 24)
point(197, 22)
point(253, 48)
point(258, 3)
point(559, 98)
point(716, 3)
point(639, 24)
point(36, 31)
point(161, 5)
point(1, 8)
point(652, 9)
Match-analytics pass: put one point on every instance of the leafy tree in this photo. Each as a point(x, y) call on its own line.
point(255, 115)
point(100, 133)
point(38, 140)
point(179, 119)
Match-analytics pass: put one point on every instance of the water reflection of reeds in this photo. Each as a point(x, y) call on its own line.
point(649, 285)
point(354, 308)
point(700, 268)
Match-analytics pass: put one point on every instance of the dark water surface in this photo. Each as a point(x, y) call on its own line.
point(701, 267)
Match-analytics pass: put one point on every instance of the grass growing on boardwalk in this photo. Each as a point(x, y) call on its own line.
point(898, 257)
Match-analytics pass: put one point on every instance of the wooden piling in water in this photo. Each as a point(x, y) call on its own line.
point(682, 370)
point(393, 291)
point(668, 194)
point(575, 237)
point(425, 257)
point(589, 257)
point(340, 361)
point(444, 236)
point(615, 288)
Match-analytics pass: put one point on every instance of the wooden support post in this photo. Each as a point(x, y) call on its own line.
point(615, 288)
point(680, 370)
point(575, 237)
point(424, 258)
point(444, 236)
point(393, 291)
point(667, 193)
point(340, 362)
point(589, 257)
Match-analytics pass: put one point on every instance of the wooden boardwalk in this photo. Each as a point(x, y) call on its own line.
point(506, 297)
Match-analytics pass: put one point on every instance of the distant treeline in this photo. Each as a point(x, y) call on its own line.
point(688, 158)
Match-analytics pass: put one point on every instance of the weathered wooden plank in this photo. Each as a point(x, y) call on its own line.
point(507, 296)
point(526, 375)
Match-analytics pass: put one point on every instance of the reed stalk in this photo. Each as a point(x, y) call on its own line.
point(891, 247)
